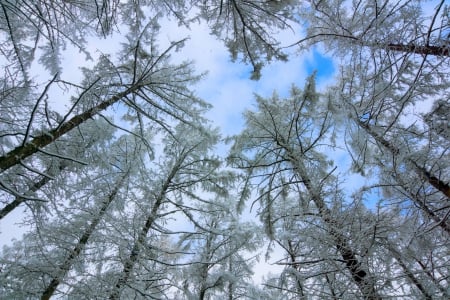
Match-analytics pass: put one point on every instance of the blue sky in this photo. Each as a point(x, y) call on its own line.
point(227, 84)
point(320, 63)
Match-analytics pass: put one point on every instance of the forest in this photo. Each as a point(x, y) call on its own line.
point(123, 187)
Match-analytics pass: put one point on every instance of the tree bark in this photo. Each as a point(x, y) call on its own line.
point(424, 50)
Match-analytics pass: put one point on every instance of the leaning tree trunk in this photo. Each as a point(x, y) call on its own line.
point(359, 275)
point(436, 182)
point(19, 153)
point(35, 187)
point(409, 273)
point(418, 49)
point(75, 252)
point(137, 247)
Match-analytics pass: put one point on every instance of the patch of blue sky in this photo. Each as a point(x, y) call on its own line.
point(323, 65)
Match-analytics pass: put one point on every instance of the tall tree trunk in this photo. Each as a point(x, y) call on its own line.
point(418, 49)
point(230, 283)
point(360, 276)
point(433, 180)
point(36, 186)
point(19, 153)
point(409, 273)
point(75, 252)
point(135, 252)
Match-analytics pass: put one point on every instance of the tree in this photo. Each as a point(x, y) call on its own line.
point(63, 229)
point(323, 232)
point(218, 266)
point(164, 187)
point(126, 165)
point(155, 89)
point(247, 28)
point(41, 149)
point(71, 155)
point(280, 150)
point(186, 166)
point(379, 82)
point(392, 58)
point(376, 25)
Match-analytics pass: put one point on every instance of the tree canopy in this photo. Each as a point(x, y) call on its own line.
point(124, 193)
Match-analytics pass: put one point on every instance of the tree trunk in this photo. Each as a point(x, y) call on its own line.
point(13, 157)
point(230, 284)
point(409, 273)
point(360, 277)
point(437, 183)
point(424, 50)
point(134, 254)
point(65, 267)
point(19, 200)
